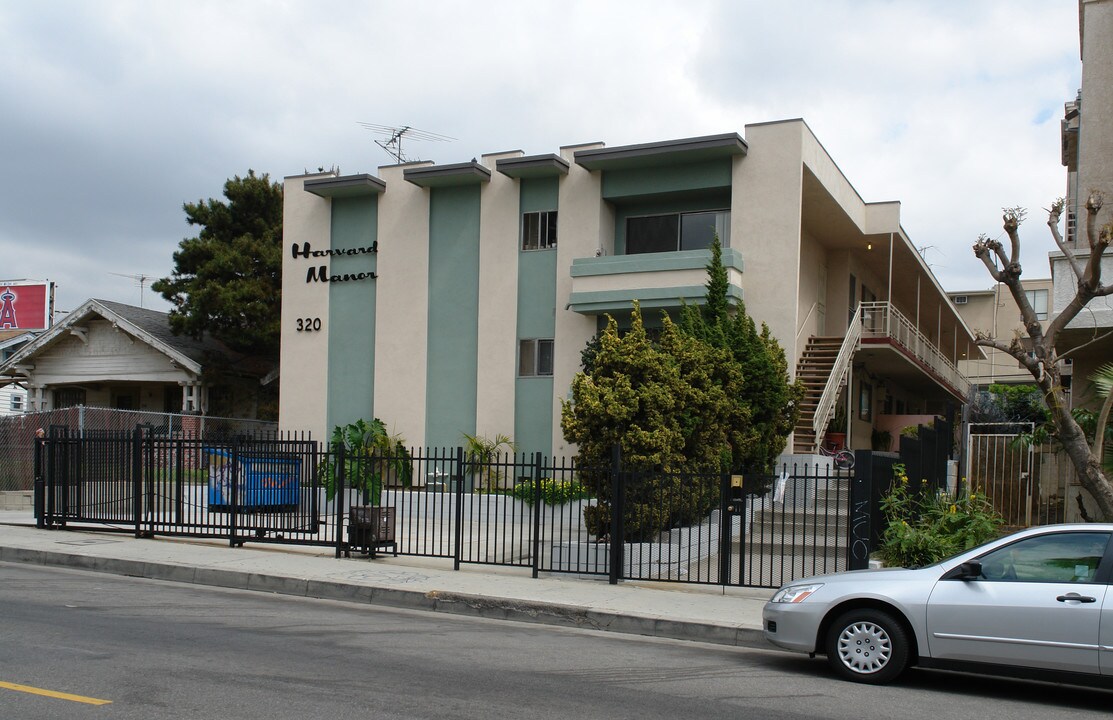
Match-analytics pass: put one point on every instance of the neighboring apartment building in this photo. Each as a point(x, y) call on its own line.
point(996, 313)
point(1087, 147)
point(457, 298)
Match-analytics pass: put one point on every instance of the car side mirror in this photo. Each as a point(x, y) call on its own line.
point(969, 570)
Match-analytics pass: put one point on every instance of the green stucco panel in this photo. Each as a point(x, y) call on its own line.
point(351, 356)
point(537, 271)
point(453, 342)
point(619, 185)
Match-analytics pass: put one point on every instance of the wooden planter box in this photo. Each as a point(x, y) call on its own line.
point(370, 529)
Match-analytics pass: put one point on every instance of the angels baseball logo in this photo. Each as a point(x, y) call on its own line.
point(7, 310)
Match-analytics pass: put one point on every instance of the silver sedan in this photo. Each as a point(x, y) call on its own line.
point(1031, 604)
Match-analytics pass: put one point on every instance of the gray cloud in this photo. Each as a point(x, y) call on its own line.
point(119, 112)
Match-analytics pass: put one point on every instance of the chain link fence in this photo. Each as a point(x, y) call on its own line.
point(17, 433)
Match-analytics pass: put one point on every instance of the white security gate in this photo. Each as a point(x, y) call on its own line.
point(1004, 470)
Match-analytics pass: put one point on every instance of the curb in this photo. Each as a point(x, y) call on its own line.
point(454, 603)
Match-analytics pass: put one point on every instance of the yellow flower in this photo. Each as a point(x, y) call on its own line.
point(954, 509)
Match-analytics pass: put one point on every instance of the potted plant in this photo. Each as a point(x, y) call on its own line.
point(369, 452)
point(836, 429)
point(881, 440)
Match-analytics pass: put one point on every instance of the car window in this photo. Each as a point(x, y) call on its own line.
point(1061, 557)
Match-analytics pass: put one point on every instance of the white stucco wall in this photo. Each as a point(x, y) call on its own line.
point(765, 226)
point(498, 301)
point(586, 224)
point(303, 386)
point(402, 305)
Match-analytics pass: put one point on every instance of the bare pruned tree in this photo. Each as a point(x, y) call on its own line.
point(1037, 352)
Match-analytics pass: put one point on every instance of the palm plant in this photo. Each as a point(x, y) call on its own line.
point(482, 452)
point(368, 451)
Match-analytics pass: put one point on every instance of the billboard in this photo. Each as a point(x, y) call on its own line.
point(26, 304)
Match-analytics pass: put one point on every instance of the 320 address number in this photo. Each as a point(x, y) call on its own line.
point(309, 324)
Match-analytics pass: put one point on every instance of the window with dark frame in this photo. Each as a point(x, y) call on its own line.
point(865, 401)
point(539, 230)
point(677, 231)
point(535, 357)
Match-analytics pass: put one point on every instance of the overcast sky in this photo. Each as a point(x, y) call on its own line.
point(116, 113)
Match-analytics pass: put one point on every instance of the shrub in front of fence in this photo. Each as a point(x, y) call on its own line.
point(923, 526)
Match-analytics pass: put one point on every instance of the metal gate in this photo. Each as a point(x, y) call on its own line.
point(1005, 470)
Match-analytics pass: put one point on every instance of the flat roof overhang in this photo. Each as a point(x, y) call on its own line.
point(456, 175)
point(533, 166)
point(346, 186)
point(669, 152)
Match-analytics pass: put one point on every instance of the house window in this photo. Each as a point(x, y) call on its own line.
point(539, 230)
point(17, 403)
point(535, 358)
point(69, 397)
point(677, 231)
point(1038, 300)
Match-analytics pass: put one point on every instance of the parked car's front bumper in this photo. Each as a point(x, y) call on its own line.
point(793, 626)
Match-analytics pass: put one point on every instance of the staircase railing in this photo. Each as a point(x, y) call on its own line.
point(825, 410)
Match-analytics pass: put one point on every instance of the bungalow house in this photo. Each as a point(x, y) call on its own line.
point(107, 354)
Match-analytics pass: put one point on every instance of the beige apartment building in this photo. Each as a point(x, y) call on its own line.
point(452, 299)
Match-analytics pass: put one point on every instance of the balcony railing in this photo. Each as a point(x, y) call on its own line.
point(882, 320)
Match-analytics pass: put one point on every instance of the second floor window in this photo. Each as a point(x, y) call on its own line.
point(535, 358)
point(677, 231)
point(1038, 300)
point(539, 230)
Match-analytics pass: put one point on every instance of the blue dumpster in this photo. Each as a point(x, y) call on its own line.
point(266, 482)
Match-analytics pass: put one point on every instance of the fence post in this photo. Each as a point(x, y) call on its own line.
point(536, 479)
point(618, 502)
point(234, 509)
point(137, 479)
point(339, 482)
point(40, 483)
point(726, 525)
point(459, 514)
point(860, 542)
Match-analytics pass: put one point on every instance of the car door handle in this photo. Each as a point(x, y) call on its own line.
point(1075, 597)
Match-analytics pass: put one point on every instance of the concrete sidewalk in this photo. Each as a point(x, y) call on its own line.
point(730, 616)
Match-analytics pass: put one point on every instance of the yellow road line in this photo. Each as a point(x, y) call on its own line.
point(53, 694)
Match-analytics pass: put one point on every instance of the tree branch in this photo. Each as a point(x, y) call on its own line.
point(1053, 217)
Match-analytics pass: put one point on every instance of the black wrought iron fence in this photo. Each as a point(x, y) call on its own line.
point(515, 510)
point(17, 432)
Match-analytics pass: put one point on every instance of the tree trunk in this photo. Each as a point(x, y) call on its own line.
point(1078, 450)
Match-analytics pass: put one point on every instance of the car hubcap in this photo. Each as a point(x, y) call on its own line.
point(865, 647)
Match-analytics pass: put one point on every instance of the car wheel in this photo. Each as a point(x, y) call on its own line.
point(867, 646)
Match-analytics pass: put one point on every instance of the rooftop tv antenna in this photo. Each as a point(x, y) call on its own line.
point(394, 136)
point(140, 279)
